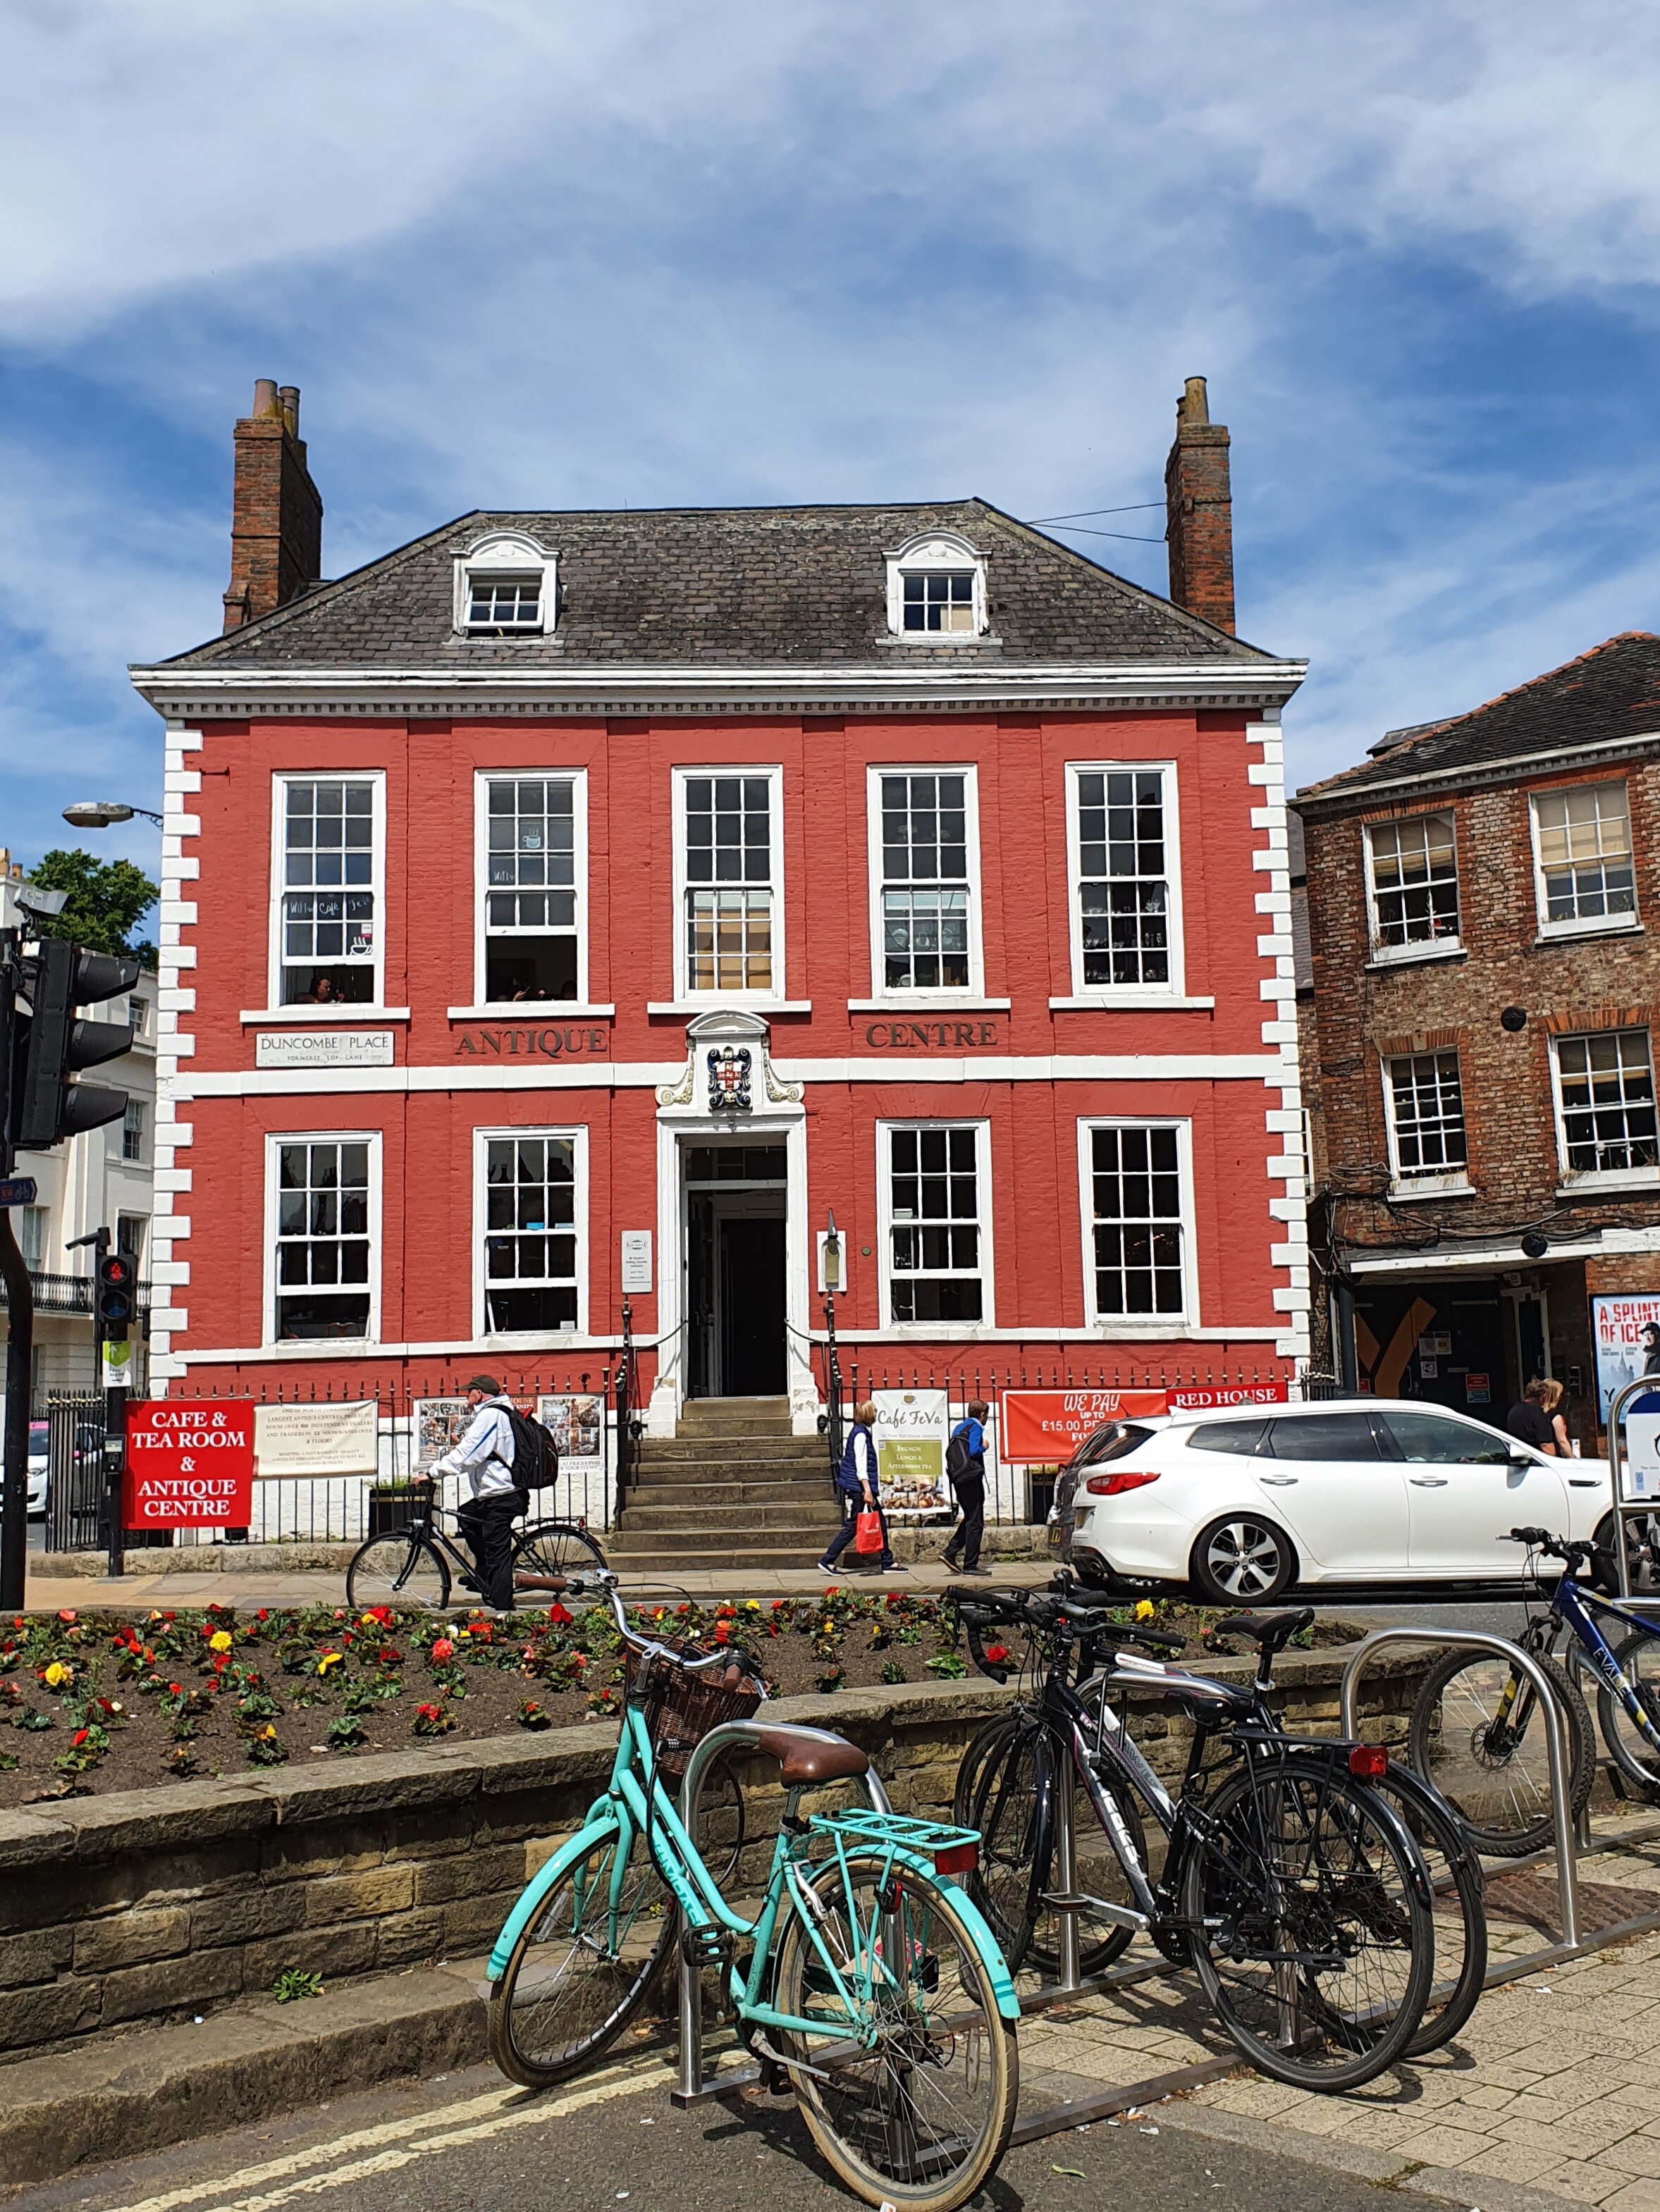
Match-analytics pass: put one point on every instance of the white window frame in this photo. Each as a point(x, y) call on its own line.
point(1406, 1183)
point(1128, 995)
point(280, 779)
point(1379, 954)
point(1148, 1325)
point(942, 1331)
point(684, 995)
point(937, 552)
point(576, 1135)
point(132, 1125)
point(507, 553)
point(1583, 1179)
point(940, 997)
point(1595, 925)
point(306, 1347)
point(483, 778)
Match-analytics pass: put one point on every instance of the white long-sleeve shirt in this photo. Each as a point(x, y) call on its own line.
point(485, 1453)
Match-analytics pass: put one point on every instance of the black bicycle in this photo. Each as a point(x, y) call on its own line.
point(409, 1567)
point(1291, 1885)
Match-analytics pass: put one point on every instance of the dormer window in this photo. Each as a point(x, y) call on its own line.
point(937, 589)
point(506, 585)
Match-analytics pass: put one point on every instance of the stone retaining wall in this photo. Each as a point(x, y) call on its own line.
point(160, 1902)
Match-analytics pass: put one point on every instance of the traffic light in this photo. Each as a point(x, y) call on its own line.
point(49, 1105)
point(114, 1296)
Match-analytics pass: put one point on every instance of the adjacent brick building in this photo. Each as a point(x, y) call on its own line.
point(566, 882)
point(1480, 898)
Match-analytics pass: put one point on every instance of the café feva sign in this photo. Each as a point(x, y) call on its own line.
point(538, 1040)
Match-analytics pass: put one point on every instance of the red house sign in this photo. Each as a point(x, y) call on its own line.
point(190, 1465)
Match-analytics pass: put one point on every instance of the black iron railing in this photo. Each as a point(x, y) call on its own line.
point(69, 1294)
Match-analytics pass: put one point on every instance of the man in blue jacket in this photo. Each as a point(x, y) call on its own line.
point(965, 1463)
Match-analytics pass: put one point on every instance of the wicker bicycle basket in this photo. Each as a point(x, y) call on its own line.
point(683, 1708)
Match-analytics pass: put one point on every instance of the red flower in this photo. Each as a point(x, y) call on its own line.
point(176, 1689)
point(579, 1658)
point(997, 1653)
point(558, 1616)
point(722, 1632)
point(66, 1612)
point(388, 1655)
point(442, 1649)
point(79, 1738)
point(262, 1614)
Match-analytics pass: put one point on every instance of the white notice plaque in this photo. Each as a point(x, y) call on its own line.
point(636, 1258)
point(323, 1049)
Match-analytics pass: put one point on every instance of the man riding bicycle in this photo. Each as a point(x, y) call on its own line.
point(485, 1455)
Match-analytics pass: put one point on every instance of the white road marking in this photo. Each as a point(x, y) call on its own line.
point(504, 2108)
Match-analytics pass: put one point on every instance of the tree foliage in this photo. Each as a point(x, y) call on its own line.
point(106, 901)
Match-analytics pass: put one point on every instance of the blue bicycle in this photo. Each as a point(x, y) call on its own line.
point(1475, 1730)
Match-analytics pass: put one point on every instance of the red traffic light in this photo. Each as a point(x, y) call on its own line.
point(115, 1270)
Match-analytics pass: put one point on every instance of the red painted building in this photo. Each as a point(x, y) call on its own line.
point(568, 882)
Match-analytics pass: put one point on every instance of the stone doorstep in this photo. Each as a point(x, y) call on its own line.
point(121, 2096)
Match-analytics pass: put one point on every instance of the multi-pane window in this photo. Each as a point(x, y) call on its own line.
point(129, 1238)
point(1584, 854)
point(328, 893)
point(136, 1016)
point(323, 1238)
point(1607, 1101)
point(1415, 881)
point(133, 1130)
point(942, 600)
point(530, 1234)
point(1427, 1107)
point(31, 1224)
point(925, 921)
point(498, 606)
point(1135, 1204)
point(728, 862)
point(529, 893)
point(1123, 882)
point(934, 1229)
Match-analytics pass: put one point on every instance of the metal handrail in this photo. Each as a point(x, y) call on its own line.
point(1567, 1855)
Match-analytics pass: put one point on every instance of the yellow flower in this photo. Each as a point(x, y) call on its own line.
point(220, 1640)
point(1145, 1608)
point(752, 1605)
point(329, 1659)
point(58, 1674)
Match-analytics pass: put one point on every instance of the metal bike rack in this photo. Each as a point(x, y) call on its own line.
point(1643, 1386)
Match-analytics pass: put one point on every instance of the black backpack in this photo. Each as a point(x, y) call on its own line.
point(959, 1464)
point(535, 1455)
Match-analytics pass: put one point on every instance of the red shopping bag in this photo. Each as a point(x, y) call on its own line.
point(867, 1536)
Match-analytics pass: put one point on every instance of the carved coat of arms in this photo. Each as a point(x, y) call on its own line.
point(729, 1079)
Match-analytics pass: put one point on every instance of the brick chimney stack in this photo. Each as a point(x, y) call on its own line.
point(1199, 508)
point(276, 516)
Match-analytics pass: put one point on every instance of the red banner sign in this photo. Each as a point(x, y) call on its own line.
point(1046, 1427)
point(190, 1464)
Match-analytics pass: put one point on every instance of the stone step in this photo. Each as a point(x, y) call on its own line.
point(752, 1558)
point(730, 1522)
point(732, 1496)
point(701, 1411)
point(717, 1546)
point(678, 1451)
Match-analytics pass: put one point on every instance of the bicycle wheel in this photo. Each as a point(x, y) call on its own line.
point(582, 1966)
point(1000, 1794)
point(915, 2073)
point(1457, 1912)
point(553, 1547)
point(403, 1572)
point(1308, 1919)
point(1476, 1734)
point(1628, 1747)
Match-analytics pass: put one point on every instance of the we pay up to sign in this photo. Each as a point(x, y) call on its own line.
point(189, 1466)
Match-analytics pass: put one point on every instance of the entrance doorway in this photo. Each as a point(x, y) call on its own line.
point(735, 1214)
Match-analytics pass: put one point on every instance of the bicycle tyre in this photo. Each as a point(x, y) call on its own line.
point(1450, 1863)
point(1227, 1888)
point(946, 2010)
point(399, 1570)
point(1630, 1752)
point(1008, 1807)
point(1450, 1741)
point(540, 2024)
point(553, 1547)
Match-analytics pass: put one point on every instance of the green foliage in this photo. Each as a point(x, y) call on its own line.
point(106, 901)
point(291, 1982)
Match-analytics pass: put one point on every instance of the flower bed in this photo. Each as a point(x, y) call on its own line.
point(97, 1703)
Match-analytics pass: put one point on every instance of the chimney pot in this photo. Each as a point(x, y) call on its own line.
point(277, 519)
point(265, 397)
point(288, 394)
point(1194, 406)
point(1198, 511)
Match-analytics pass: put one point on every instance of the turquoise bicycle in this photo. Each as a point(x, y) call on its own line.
point(864, 1978)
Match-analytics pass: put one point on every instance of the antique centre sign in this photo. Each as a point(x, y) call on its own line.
point(930, 1036)
point(552, 1040)
point(190, 1464)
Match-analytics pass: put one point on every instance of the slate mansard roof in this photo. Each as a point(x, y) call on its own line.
point(777, 587)
point(1608, 696)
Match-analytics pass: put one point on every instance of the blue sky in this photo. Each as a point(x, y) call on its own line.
point(520, 253)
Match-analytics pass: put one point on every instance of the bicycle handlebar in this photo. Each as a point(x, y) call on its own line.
point(1573, 1553)
point(1053, 1614)
point(601, 1579)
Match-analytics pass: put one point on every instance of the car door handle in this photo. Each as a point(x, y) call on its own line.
point(1428, 1481)
point(1583, 1482)
point(1277, 1481)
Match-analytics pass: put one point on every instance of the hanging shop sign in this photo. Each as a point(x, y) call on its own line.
point(189, 1465)
point(1045, 1427)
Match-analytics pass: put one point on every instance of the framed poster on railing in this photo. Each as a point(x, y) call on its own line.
point(577, 1421)
point(911, 1428)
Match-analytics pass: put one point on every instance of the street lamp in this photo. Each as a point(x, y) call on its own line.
point(101, 813)
point(830, 1262)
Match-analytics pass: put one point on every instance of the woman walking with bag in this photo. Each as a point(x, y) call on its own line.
point(856, 1480)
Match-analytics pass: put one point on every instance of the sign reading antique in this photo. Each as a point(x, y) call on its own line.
point(562, 1041)
point(190, 1464)
point(323, 1049)
point(930, 1036)
point(1045, 1427)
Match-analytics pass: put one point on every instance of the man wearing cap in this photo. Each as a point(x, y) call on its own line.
point(485, 1457)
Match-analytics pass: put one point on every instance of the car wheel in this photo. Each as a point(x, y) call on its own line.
point(1242, 1560)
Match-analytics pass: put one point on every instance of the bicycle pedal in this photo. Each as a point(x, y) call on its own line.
point(706, 1947)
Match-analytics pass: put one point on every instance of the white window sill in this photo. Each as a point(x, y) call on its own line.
point(1623, 925)
point(930, 1002)
point(939, 1332)
point(736, 1004)
point(1413, 956)
point(1610, 1179)
point(266, 1017)
point(534, 1009)
point(317, 1347)
point(915, 637)
point(1404, 1191)
point(1148, 1325)
point(1128, 1001)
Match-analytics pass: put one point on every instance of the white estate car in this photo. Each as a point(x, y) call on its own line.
point(1245, 1502)
point(37, 1475)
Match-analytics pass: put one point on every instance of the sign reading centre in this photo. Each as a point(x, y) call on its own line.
point(189, 1465)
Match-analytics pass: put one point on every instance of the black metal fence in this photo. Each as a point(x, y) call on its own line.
point(76, 1485)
